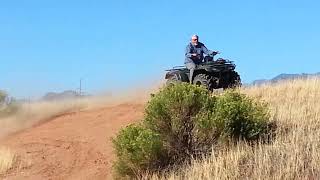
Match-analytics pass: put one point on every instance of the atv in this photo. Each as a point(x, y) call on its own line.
point(210, 73)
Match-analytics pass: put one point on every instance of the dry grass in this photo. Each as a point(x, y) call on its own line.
point(295, 152)
point(7, 160)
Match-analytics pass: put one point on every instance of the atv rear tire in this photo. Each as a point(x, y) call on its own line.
point(203, 80)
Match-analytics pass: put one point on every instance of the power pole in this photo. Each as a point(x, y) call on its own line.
point(80, 92)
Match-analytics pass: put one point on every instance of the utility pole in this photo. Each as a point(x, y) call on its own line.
point(80, 92)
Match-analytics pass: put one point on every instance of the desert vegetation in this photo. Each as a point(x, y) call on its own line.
point(7, 160)
point(184, 122)
point(281, 143)
point(294, 152)
point(8, 106)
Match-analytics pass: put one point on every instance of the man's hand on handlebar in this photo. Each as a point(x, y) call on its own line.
point(196, 55)
point(215, 53)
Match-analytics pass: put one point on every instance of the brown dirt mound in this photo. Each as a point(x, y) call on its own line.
point(72, 146)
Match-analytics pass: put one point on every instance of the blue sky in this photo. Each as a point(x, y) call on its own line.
point(49, 45)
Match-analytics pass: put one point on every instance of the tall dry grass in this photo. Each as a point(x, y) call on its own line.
point(7, 159)
point(295, 152)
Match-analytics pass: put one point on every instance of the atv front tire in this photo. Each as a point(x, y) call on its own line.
point(172, 81)
point(203, 80)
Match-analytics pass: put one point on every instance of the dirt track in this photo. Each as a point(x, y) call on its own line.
point(71, 146)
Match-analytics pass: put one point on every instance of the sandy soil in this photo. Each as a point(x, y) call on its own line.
point(71, 146)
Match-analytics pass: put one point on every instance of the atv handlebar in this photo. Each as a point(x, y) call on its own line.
point(215, 53)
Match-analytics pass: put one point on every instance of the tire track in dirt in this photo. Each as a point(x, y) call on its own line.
point(72, 146)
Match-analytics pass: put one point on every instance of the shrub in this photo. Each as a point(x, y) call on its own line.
point(172, 113)
point(138, 149)
point(243, 117)
point(183, 121)
point(8, 105)
point(3, 96)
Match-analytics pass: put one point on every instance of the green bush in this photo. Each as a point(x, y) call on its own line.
point(138, 149)
point(183, 121)
point(243, 117)
point(8, 105)
point(172, 113)
point(3, 96)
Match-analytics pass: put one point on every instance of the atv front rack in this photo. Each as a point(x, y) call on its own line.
point(176, 68)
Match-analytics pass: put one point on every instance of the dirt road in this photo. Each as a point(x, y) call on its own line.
point(72, 146)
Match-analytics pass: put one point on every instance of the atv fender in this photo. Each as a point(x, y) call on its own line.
point(181, 76)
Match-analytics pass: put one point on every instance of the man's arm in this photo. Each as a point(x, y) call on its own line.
point(189, 53)
point(205, 50)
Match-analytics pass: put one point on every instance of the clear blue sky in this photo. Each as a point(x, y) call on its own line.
point(49, 45)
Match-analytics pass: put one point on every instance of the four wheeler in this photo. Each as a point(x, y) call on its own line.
point(210, 73)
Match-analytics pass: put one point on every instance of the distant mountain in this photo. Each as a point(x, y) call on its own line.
point(52, 96)
point(283, 76)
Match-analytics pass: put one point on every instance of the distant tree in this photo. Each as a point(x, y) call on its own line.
point(3, 96)
point(8, 105)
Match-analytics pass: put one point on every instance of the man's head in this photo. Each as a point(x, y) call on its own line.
point(195, 39)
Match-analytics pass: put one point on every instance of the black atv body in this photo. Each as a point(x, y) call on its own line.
point(213, 74)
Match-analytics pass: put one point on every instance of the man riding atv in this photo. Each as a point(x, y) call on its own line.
point(194, 54)
point(204, 71)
